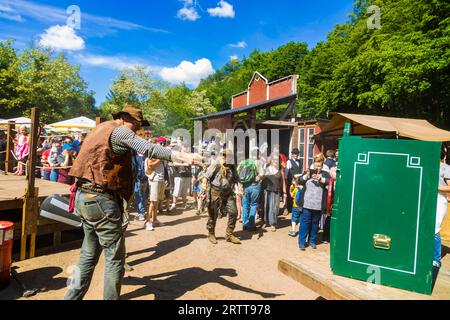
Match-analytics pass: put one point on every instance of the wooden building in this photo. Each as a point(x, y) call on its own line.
point(270, 105)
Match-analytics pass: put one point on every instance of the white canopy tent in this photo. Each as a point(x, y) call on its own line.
point(19, 121)
point(73, 124)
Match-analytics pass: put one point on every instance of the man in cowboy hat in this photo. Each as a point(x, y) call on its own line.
point(103, 170)
point(222, 177)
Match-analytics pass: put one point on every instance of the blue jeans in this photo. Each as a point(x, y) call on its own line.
point(102, 218)
point(437, 248)
point(54, 175)
point(46, 174)
point(296, 214)
point(309, 224)
point(250, 202)
point(140, 195)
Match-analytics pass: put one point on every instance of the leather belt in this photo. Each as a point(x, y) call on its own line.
point(92, 188)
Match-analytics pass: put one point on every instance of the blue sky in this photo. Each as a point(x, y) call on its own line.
point(180, 40)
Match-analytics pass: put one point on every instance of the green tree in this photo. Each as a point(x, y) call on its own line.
point(9, 74)
point(401, 69)
point(37, 78)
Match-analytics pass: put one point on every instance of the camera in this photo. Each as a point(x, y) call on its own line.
point(312, 172)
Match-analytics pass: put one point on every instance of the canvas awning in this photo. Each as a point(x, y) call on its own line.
point(19, 121)
point(367, 125)
point(81, 123)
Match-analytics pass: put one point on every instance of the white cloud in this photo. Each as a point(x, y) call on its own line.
point(224, 10)
point(112, 62)
point(6, 12)
point(188, 72)
point(61, 38)
point(54, 15)
point(234, 57)
point(189, 11)
point(240, 44)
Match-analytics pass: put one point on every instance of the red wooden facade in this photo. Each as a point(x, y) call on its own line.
point(260, 90)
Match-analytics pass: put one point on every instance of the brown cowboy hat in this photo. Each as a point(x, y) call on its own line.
point(133, 112)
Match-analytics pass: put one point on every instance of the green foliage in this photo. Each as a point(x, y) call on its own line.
point(36, 78)
point(235, 75)
point(401, 69)
point(166, 108)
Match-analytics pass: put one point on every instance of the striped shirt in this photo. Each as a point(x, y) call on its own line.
point(123, 139)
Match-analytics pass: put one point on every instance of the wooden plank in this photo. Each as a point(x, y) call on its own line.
point(6, 205)
point(302, 276)
point(46, 229)
point(289, 110)
point(252, 118)
point(57, 238)
point(313, 270)
point(31, 201)
point(277, 123)
point(31, 178)
point(12, 188)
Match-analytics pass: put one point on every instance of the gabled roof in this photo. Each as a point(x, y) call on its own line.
point(259, 105)
point(254, 76)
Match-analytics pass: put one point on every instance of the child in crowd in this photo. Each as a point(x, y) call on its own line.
point(53, 161)
point(21, 150)
point(295, 192)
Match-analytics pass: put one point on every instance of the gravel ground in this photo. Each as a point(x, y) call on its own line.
point(176, 261)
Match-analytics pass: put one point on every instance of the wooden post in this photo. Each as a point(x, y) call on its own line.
point(9, 147)
point(252, 119)
point(98, 121)
point(31, 200)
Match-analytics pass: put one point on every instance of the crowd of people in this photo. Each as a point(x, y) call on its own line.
point(55, 154)
point(254, 192)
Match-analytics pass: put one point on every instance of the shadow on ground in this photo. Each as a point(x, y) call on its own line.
point(42, 279)
point(163, 248)
point(173, 285)
point(183, 220)
point(445, 250)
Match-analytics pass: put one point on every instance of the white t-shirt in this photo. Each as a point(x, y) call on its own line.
point(444, 173)
point(158, 174)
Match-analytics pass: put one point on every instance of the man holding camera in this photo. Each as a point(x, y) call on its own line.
point(313, 201)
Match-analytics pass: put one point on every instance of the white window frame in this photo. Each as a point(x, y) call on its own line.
point(308, 142)
point(300, 143)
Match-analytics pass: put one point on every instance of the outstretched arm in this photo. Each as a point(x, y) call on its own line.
point(236, 286)
point(123, 139)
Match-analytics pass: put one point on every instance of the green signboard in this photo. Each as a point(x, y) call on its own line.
point(383, 221)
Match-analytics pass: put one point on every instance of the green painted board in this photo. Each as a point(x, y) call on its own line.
point(383, 221)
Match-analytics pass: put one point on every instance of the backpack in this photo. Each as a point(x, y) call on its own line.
point(247, 171)
point(298, 195)
point(219, 181)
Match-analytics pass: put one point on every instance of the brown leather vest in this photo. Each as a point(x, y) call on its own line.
point(97, 162)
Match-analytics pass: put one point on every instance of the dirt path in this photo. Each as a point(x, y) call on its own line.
point(176, 261)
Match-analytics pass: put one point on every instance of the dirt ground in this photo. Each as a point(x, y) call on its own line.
point(176, 261)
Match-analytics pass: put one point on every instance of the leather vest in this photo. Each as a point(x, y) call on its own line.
point(97, 162)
